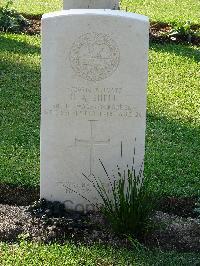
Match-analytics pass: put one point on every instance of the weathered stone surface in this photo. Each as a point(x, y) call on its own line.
point(94, 75)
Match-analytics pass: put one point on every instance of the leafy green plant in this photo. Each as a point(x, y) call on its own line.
point(129, 204)
point(10, 19)
point(183, 30)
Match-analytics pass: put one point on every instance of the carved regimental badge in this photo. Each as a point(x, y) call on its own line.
point(94, 56)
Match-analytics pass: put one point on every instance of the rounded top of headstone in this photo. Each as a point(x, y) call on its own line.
point(91, 4)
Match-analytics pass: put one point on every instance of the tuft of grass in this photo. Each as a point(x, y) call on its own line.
point(128, 202)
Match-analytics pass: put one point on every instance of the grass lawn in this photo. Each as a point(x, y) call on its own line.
point(165, 10)
point(173, 121)
point(24, 254)
point(157, 10)
point(20, 109)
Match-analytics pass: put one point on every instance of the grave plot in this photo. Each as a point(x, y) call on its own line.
point(172, 139)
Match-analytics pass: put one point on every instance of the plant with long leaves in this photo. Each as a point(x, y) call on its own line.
point(128, 203)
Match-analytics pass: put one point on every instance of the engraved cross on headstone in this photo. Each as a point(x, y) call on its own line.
point(92, 142)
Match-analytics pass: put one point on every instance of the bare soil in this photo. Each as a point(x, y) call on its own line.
point(171, 233)
point(18, 195)
point(17, 222)
point(176, 227)
point(34, 27)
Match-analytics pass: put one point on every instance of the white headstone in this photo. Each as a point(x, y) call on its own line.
point(91, 4)
point(94, 75)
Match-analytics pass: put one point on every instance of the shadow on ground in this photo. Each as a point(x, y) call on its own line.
point(172, 156)
point(17, 46)
point(185, 51)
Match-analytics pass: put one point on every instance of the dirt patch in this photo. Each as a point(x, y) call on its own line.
point(43, 224)
point(33, 28)
point(183, 207)
point(16, 195)
point(176, 225)
point(175, 233)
